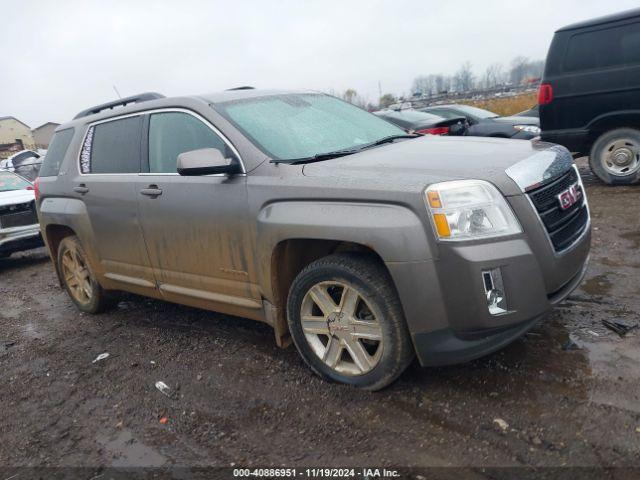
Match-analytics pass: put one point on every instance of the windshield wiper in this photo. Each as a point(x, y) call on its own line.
point(391, 139)
point(318, 157)
point(343, 153)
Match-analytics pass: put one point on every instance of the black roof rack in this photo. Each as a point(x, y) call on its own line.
point(143, 97)
point(246, 87)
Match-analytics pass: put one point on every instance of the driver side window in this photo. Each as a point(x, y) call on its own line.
point(173, 133)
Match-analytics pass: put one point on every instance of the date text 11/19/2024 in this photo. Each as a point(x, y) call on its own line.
point(364, 473)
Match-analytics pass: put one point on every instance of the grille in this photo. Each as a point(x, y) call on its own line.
point(563, 226)
point(18, 215)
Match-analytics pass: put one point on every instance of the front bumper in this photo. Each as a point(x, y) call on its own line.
point(445, 304)
point(17, 239)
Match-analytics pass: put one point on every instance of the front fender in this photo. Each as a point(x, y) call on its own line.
point(394, 232)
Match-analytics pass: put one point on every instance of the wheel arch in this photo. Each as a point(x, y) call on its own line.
point(293, 234)
point(611, 121)
point(54, 234)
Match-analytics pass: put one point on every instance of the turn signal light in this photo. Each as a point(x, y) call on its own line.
point(434, 199)
point(442, 225)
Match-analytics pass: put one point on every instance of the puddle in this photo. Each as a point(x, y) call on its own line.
point(598, 285)
point(633, 237)
point(126, 451)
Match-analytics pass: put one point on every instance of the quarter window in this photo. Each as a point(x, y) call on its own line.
point(173, 133)
point(55, 154)
point(112, 147)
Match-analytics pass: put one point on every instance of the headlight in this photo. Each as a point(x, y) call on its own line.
point(527, 128)
point(469, 209)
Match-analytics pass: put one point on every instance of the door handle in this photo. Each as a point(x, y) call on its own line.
point(81, 189)
point(151, 191)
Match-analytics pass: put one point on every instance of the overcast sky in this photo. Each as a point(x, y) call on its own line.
point(61, 57)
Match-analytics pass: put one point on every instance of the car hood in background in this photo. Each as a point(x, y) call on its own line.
point(431, 159)
point(518, 120)
point(16, 196)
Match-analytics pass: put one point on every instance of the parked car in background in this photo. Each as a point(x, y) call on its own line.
point(363, 244)
point(26, 163)
point(590, 94)
point(483, 123)
point(19, 228)
point(413, 121)
point(532, 112)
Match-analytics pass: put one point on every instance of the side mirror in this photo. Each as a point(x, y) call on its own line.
point(206, 161)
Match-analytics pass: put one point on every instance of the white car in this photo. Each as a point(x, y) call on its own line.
point(19, 227)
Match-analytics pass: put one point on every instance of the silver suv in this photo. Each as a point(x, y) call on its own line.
point(363, 244)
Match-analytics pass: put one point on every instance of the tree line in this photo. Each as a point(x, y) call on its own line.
point(520, 70)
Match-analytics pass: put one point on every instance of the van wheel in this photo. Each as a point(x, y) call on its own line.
point(347, 323)
point(615, 157)
point(78, 279)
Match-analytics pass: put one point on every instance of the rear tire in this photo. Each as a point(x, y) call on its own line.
point(354, 331)
point(615, 157)
point(79, 280)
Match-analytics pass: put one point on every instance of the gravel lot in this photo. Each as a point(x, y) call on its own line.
point(236, 399)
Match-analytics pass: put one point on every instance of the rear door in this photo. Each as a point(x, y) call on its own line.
point(196, 227)
point(109, 166)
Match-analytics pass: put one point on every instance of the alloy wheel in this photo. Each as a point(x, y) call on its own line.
point(77, 276)
point(341, 328)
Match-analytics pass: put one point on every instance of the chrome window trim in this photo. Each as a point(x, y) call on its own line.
point(150, 112)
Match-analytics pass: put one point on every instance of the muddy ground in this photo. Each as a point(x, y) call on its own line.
point(239, 400)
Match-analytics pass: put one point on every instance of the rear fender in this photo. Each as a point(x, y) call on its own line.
point(71, 213)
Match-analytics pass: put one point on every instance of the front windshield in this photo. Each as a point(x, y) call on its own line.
point(10, 182)
point(476, 112)
point(295, 126)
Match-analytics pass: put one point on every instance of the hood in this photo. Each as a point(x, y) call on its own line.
point(432, 159)
point(16, 196)
point(518, 120)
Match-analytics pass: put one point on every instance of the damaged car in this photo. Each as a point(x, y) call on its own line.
point(363, 245)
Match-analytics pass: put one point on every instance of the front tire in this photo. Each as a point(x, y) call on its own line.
point(347, 322)
point(78, 279)
point(615, 157)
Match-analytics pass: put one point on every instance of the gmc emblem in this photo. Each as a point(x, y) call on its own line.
point(569, 197)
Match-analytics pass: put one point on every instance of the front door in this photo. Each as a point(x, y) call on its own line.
point(195, 227)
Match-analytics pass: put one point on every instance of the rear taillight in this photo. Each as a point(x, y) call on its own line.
point(545, 94)
point(36, 187)
point(434, 131)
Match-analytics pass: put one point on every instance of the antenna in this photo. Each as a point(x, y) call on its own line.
point(117, 92)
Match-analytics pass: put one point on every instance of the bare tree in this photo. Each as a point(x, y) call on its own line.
point(493, 76)
point(464, 78)
point(519, 66)
point(423, 84)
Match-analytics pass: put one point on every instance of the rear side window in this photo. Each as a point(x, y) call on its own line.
point(173, 133)
point(56, 152)
point(604, 48)
point(112, 147)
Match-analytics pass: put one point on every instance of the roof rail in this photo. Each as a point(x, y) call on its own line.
point(143, 97)
point(246, 87)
